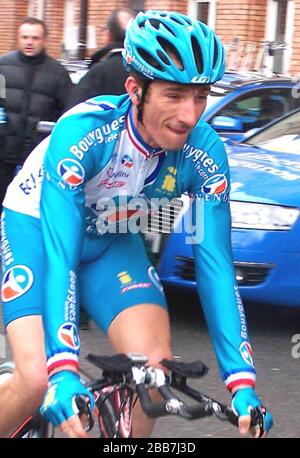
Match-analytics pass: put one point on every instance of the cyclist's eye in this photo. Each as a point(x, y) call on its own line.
point(173, 96)
point(201, 98)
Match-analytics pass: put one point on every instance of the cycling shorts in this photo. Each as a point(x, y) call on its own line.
point(114, 274)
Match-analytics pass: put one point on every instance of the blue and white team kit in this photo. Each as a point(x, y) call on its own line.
point(61, 245)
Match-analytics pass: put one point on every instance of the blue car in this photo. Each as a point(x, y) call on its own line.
point(242, 102)
point(265, 208)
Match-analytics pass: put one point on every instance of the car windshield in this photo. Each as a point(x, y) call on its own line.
point(283, 136)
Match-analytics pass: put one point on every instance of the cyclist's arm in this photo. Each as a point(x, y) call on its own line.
point(62, 207)
point(216, 282)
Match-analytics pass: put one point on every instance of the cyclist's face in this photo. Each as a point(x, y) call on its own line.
point(170, 113)
point(32, 39)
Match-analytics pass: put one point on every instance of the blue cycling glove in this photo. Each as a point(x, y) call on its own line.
point(245, 400)
point(59, 402)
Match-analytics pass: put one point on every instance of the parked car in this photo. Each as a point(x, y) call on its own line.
point(242, 102)
point(265, 207)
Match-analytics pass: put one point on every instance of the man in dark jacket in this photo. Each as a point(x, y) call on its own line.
point(107, 74)
point(36, 88)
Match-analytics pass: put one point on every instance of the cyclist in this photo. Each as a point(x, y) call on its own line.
point(63, 235)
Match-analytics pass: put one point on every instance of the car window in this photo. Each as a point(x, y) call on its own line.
point(260, 106)
point(283, 136)
point(216, 93)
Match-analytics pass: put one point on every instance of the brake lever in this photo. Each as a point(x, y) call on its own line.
point(84, 407)
point(258, 415)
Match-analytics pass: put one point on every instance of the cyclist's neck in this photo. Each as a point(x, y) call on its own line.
point(139, 132)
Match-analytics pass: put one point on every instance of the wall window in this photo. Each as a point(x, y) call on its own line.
point(205, 11)
point(202, 11)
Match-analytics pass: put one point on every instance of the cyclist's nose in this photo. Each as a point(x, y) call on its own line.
point(189, 113)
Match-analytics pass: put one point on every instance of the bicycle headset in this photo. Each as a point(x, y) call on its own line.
point(170, 46)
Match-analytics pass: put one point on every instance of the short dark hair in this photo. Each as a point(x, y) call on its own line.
point(115, 28)
point(35, 21)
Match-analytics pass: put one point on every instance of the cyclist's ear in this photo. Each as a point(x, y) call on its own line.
point(136, 94)
point(133, 89)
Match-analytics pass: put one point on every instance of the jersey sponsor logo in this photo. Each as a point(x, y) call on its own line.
point(109, 183)
point(71, 171)
point(106, 133)
point(244, 332)
point(68, 335)
point(7, 256)
point(124, 278)
point(16, 282)
point(247, 353)
point(127, 161)
point(201, 159)
point(50, 396)
point(169, 183)
point(70, 302)
point(134, 286)
point(32, 181)
point(215, 185)
point(128, 284)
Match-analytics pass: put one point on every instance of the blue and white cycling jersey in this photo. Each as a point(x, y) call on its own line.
point(95, 156)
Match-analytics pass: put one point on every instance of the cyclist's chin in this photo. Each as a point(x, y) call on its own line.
point(174, 142)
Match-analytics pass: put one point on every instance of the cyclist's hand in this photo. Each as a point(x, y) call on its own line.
point(59, 405)
point(243, 402)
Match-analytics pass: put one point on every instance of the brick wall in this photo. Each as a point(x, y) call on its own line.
point(11, 14)
point(54, 18)
point(172, 5)
point(241, 18)
point(295, 58)
point(98, 14)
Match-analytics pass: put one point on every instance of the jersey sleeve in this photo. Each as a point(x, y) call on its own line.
point(62, 217)
point(215, 273)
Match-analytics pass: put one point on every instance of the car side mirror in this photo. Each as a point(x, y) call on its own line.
point(227, 123)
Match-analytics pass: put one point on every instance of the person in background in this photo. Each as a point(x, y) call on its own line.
point(36, 88)
point(107, 74)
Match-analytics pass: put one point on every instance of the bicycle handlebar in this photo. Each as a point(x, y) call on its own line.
point(170, 405)
point(132, 369)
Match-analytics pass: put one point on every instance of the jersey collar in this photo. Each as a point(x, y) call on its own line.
point(137, 140)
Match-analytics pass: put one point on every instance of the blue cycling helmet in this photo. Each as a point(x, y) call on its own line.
point(170, 46)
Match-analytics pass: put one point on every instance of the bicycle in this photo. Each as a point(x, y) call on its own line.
point(126, 378)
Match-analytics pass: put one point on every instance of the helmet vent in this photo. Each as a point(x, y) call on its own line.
point(204, 29)
point(163, 57)
point(171, 52)
point(215, 52)
point(197, 55)
point(149, 59)
point(156, 23)
point(178, 20)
